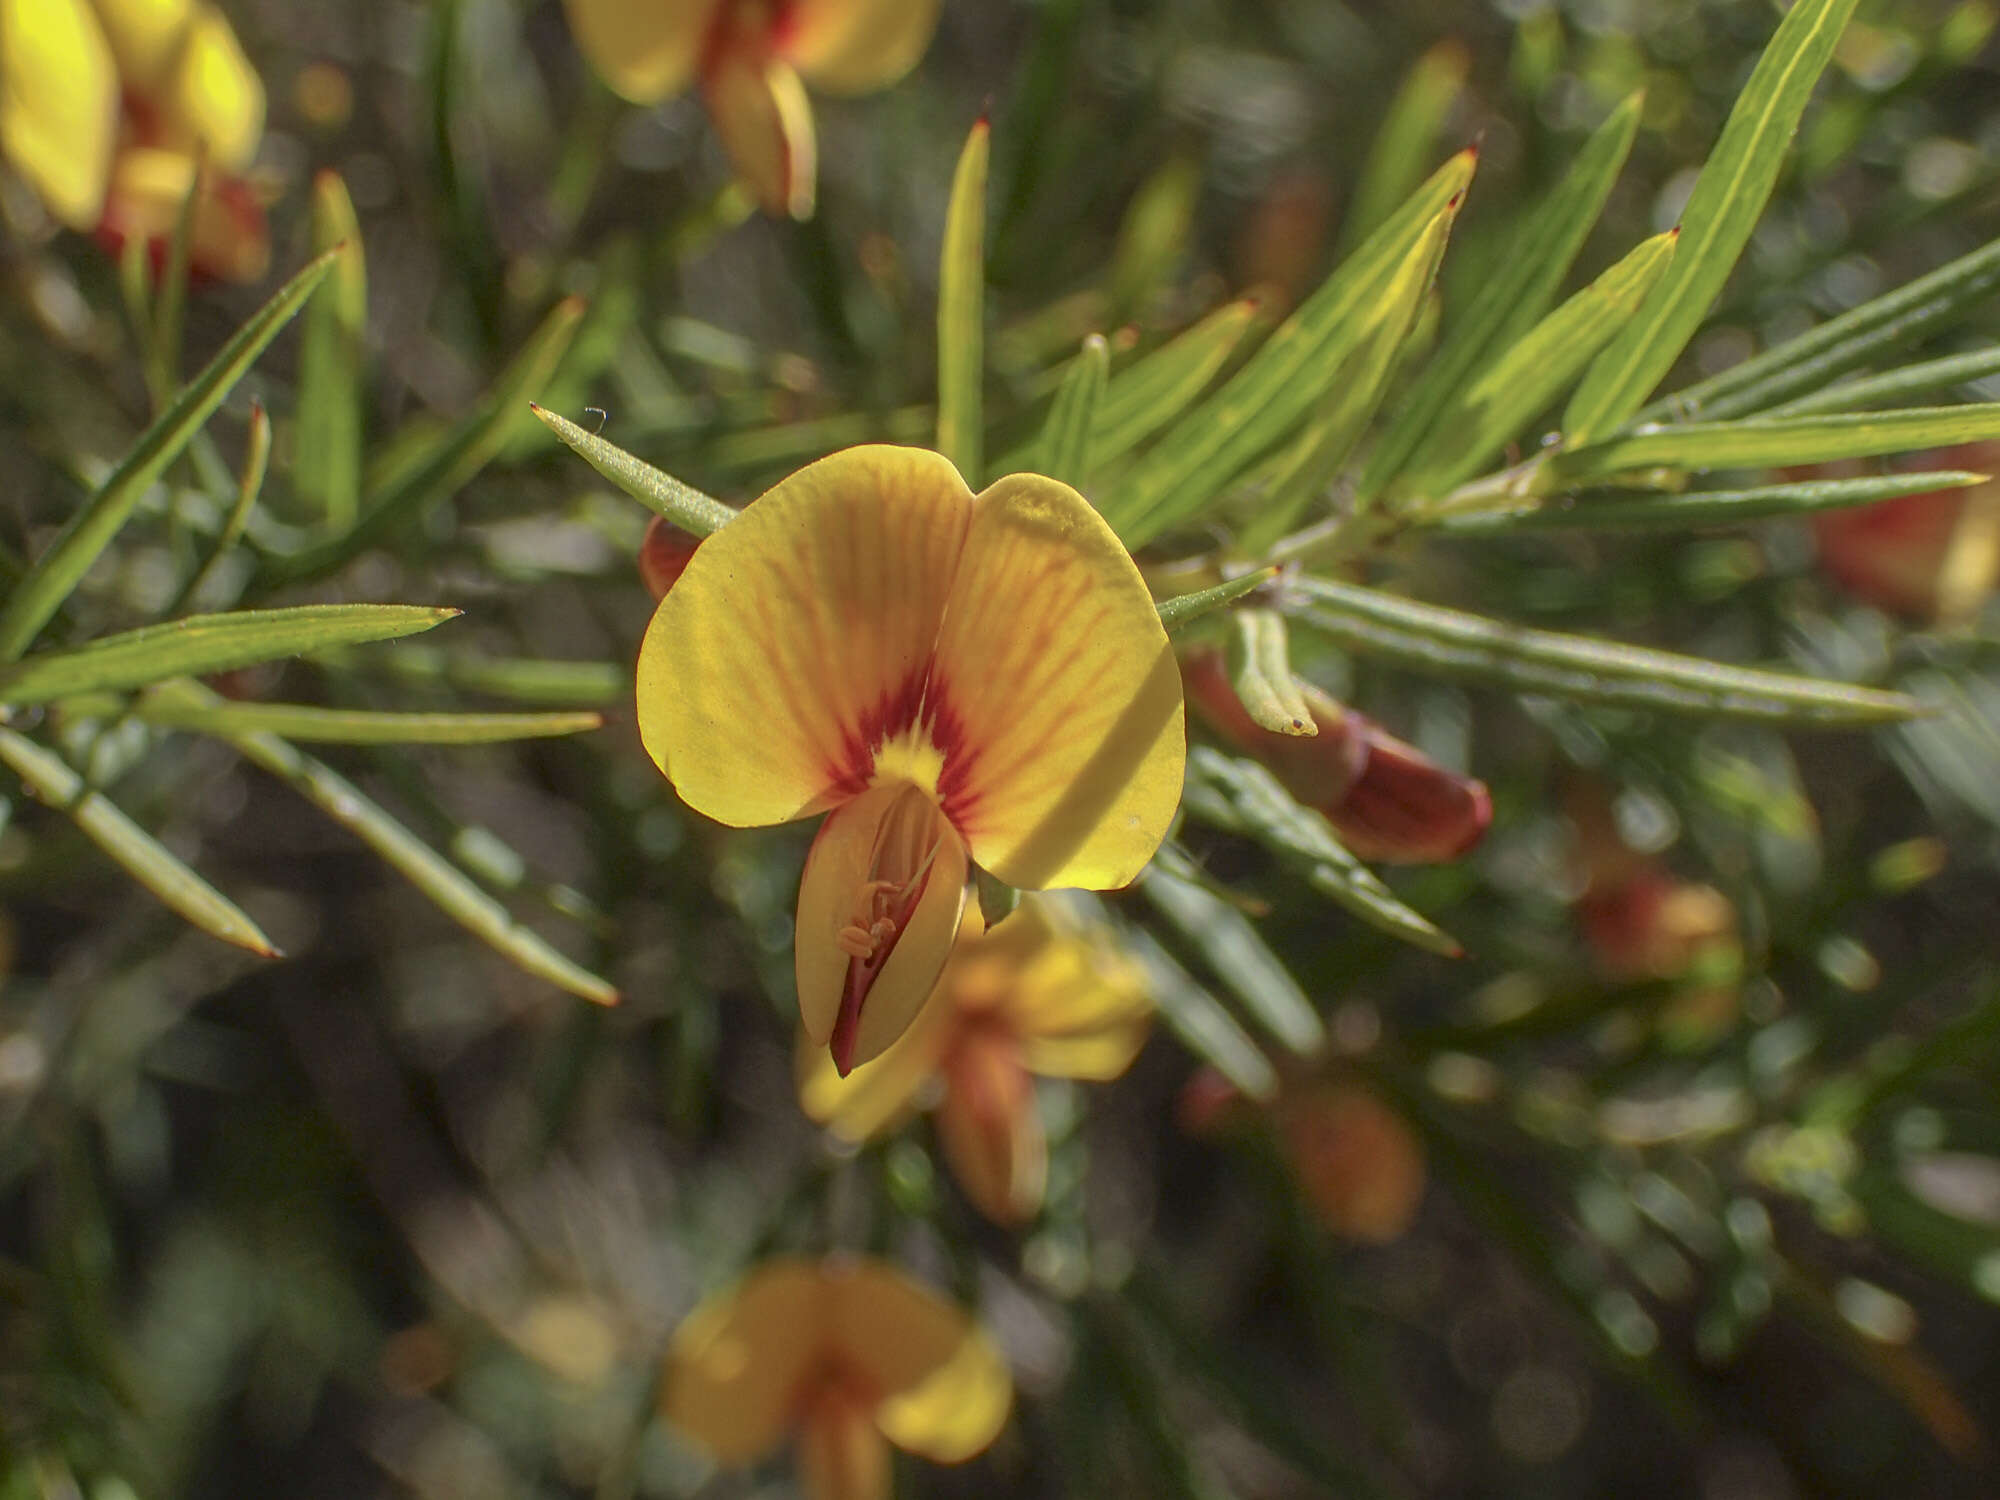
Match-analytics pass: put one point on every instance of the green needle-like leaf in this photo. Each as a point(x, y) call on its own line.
point(962, 311)
point(1528, 377)
point(332, 726)
point(142, 856)
point(1260, 669)
point(333, 345)
point(1698, 508)
point(1159, 387)
point(1202, 1022)
point(1238, 956)
point(1451, 643)
point(661, 493)
point(207, 643)
point(1528, 269)
point(1894, 385)
point(1182, 608)
point(1066, 449)
point(443, 882)
point(1405, 140)
point(1773, 443)
point(1727, 201)
point(34, 601)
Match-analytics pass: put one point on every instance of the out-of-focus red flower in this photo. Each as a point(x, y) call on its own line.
point(1386, 799)
point(1933, 556)
point(663, 553)
point(1355, 1159)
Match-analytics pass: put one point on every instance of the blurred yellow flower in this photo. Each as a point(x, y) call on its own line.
point(106, 106)
point(845, 1353)
point(749, 57)
point(1037, 995)
point(951, 677)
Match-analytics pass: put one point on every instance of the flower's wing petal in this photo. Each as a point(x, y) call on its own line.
point(946, 1389)
point(765, 121)
point(735, 1365)
point(1081, 1010)
point(646, 52)
point(213, 96)
point(145, 36)
point(837, 867)
point(58, 104)
point(858, 46)
point(800, 633)
point(878, 1095)
point(1057, 697)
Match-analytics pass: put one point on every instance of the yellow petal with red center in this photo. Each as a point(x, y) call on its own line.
point(1057, 696)
point(879, 904)
point(646, 52)
point(857, 46)
point(798, 637)
point(213, 97)
point(735, 1366)
point(58, 104)
point(842, 1455)
point(991, 1128)
point(945, 1388)
point(145, 36)
point(880, 1094)
point(1080, 1007)
point(761, 112)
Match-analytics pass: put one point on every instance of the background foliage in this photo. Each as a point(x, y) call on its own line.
point(395, 1215)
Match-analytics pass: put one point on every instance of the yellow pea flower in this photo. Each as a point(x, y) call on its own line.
point(1037, 995)
point(106, 106)
point(847, 1353)
point(950, 677)
point(749, 57)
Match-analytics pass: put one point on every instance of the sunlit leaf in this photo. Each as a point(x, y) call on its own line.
point(327, 468)
point(687, 507)
point(962, 311)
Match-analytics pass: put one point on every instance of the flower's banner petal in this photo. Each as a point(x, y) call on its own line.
point(799, 635)
point(837, 869)
point(946, 1390)
point(145, 36)
point(765, 121)
point(735, 1365)
point(1079, 1007)
point(645, 52)
point(858, 46)
point(841, 1453)
point(213, 97)
point(58, 104)
point(1056, 697)
point(991, 1129)
point(879, 1095)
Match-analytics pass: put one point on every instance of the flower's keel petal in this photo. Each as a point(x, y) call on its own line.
point(858, 46)
point(1057, 698)
point(737, 1363)
point(842, 1453)
point(991, 1128)
point(799, 635)
point(645, 52)
point(765, 121)
point(878, 1095)
point(58, 104)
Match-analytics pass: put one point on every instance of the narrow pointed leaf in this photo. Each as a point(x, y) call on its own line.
point(1894, 320)
point(661, 493)
point(141, 855)
point(513, 679)
point(249, 486)
point(1405, 140)
point(1287, 377)
point(1238, 956)
point(327, 469)
point(962, 311)
point(1728, 200)
point(1159, 387)
point(1066, 446)
point(207, 643)
point(453, 460)
point(165, 341)
point(1699, 508)
point(443, 882)
point(1527, 379)
point(1773, 443)
point(1260, 669)
point(1528, 270)
point(346, 726)
point(1182, 608)
point(1451, 643)
point(1895, 385)
point(1314, 459)
point(34, 601)
point(1153, 235)
point(1202, 1022)
point(1241, 797)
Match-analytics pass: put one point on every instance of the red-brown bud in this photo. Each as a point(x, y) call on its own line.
point(664, 554)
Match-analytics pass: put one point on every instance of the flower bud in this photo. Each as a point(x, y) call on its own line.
point(1933, 556)
point(1357, 1163)
point(664, 554)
